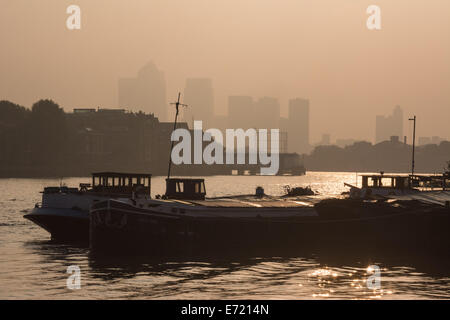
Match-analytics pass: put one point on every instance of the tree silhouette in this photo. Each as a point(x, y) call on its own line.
point(11, 113)
point(13, 127)
point(48, 133)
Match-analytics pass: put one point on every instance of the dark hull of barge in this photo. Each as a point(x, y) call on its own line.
point(64, 225)
point(120, 227)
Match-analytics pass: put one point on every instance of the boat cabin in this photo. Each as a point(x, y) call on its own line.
point(185, 189)
point(402, 182)
point(121, 183)
point(386, 181)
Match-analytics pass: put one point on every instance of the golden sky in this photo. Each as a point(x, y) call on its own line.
point(317, 49)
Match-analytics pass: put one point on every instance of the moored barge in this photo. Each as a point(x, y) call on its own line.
point(184, 218)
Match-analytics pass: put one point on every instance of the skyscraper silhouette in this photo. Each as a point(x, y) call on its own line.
point(388, 126)
point(146, 92)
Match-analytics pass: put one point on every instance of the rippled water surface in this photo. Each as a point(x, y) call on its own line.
point(31, 267)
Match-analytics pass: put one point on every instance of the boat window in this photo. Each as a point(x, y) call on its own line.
point(386, 182)
point(180, 187)
point(197, 188)
point(379, 182)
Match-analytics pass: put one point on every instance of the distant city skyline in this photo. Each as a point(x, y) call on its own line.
point(318, 51)
point(249, 112)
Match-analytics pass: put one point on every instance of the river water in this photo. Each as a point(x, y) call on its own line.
point(32, 267)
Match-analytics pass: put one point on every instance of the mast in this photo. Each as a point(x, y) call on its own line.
point(177, 105)
point(414, 144)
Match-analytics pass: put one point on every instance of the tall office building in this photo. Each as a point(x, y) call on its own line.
point(199, 96)
point(298, 126)
point(388, 126)
point(146, 92)
point(241, 112)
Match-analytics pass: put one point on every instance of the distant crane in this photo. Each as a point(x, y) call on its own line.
point(177, 107)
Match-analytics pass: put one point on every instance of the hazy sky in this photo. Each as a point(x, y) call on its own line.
point(316, 49)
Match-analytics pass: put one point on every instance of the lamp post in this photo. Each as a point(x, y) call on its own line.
point(414, 144)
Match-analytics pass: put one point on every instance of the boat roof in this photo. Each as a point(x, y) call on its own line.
point(384, 176)
point(253, 202)
point(185, 179)
point(120, 174)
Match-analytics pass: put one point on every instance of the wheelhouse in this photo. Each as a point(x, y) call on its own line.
point(121, 183)
point(386, 181)
point(185, 189)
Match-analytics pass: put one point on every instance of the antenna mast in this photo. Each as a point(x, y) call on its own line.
point(177, 106)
